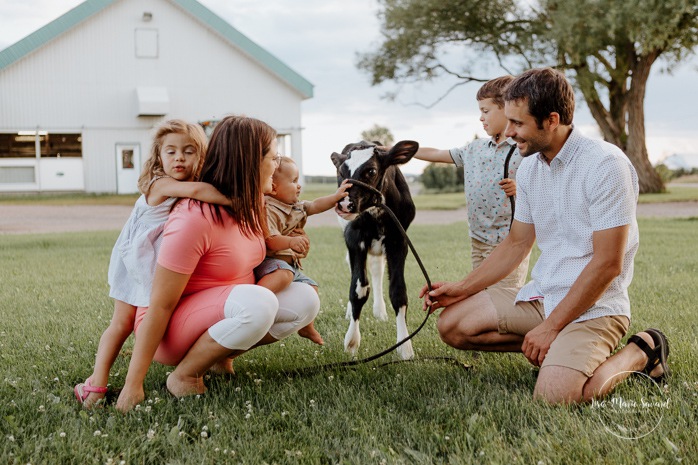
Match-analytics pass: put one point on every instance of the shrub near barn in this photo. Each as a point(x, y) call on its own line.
point(440, 177)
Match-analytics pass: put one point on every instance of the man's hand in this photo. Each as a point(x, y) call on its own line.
point(442, 295)
point(537, 343)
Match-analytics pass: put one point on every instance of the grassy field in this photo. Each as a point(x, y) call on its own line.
point(448, 201)
point(674, 193)
point(54, 306)
point(455, 200)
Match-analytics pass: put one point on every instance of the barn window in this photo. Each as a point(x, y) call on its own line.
point(23, 144)
point(17, 174)
point(19, 145)
point(284, 144)
point(61, 145)
point(146, 43)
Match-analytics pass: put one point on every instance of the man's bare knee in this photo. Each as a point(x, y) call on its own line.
point(460, 325)
point(559, 385)
point(455, 333)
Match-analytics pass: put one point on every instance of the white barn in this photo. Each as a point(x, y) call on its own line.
point(80, 96)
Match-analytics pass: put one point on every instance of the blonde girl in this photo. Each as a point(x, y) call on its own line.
point(176, 159)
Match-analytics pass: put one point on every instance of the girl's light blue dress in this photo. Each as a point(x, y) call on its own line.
point(134, 257)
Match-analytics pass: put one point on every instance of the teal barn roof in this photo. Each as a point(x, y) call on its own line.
point(87, 9)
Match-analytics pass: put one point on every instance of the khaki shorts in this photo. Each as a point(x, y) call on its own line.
point(581, 346)
point(479, 251)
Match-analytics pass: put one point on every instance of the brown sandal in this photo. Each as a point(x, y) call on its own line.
point(656, 356)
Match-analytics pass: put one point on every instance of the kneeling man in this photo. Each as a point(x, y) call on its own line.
point(577, 197)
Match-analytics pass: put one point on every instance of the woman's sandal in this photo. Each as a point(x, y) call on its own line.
point(83, 390)
point(656, 356)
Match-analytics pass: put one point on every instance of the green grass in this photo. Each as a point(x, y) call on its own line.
point(424, 201)
point(449, 201)
point(54, 306)
point(674, 193)
point(68, 199)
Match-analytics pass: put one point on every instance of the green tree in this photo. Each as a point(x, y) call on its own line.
point(442, 177)
point(607, 48)
point(378, 134)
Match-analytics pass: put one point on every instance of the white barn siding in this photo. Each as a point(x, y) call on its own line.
point(73, 80)
point(85, 80)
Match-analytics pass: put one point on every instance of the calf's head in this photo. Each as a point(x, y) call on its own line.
point(369, 163)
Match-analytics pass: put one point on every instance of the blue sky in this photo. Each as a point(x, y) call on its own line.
point(321, 38)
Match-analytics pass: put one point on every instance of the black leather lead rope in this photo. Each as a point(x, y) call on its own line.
point(352, 363)
point(506, 175)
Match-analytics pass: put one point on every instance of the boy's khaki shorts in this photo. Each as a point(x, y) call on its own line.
point(479, 251)
point(581, 346)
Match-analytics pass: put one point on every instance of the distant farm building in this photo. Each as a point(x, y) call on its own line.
point(80, 96)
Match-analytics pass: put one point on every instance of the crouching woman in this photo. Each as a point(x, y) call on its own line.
point(205, 308)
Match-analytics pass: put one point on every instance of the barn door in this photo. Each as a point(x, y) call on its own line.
point(128, 168)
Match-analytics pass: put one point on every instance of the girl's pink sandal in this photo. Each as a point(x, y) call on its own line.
point(83, 390)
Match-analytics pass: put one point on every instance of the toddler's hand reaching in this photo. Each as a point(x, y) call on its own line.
point(342, 190)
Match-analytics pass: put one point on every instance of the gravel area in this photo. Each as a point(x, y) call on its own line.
point(30, 219)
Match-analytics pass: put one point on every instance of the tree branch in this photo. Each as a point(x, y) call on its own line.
point(466, 79)
point(435, 102)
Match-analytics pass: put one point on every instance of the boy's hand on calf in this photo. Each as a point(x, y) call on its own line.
point(508, 186)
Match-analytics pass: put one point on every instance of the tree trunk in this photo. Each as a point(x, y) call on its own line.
point(625, 112)
point(636, 149)
point(622, 123)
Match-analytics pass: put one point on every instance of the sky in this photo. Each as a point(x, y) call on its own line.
point(320, 39)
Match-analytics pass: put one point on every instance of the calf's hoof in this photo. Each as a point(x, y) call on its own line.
point(405, 351)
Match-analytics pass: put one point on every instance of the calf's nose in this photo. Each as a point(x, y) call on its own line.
point(346, 205)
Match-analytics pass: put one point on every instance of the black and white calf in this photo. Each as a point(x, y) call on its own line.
point(371, 234)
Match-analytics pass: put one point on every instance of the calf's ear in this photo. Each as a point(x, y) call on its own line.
point(338, 159)
point(402, 152)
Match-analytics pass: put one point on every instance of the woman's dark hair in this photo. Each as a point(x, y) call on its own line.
point(547, 91)
point(233, 166)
